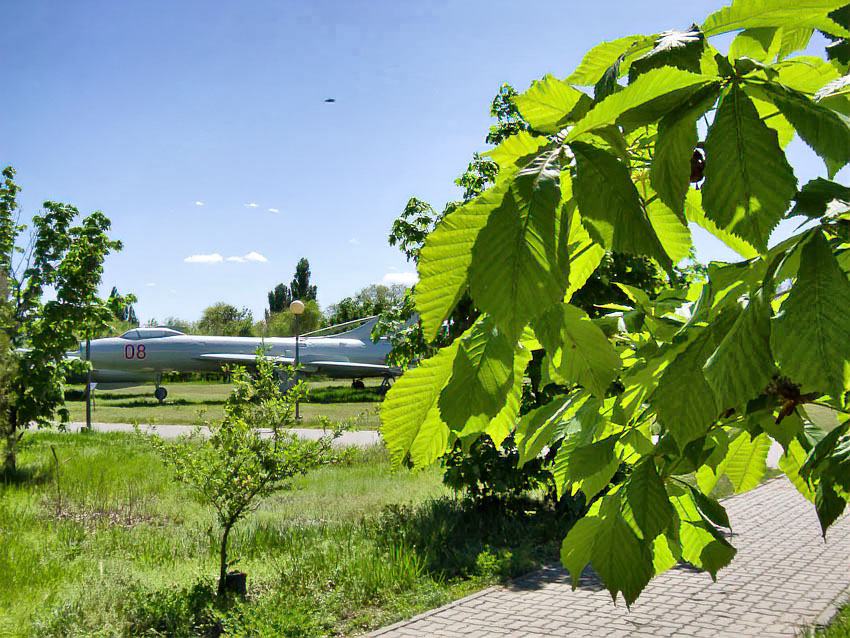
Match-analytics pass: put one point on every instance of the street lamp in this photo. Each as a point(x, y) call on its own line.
point(297, 309)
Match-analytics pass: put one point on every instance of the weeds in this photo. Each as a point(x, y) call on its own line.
point(352, 547)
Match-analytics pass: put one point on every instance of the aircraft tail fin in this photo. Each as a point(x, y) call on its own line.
point(363, 332)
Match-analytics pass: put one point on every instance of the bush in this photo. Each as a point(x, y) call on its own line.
point(482, 540)
point(486, 473)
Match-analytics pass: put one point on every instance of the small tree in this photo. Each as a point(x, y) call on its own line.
point(237, 466)
point(63, 258)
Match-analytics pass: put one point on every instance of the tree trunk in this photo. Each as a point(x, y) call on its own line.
point(9, 459)
point(222, 574)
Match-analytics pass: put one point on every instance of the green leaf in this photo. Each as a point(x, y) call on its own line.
point(711, 508)
point(672, 232)
point(600, 58)
point(807, 74)
point(482, 375)
point(446, 256)
point(760, 44)
point(783, 432)
point(536, 428)
point(577, 348)
point(775, 121)
point(825, 130)
point(577, 547)
point(410, 416)
point(822, 451)
point(677, 138)
point(790, 463)
point(647, 497)
point(516, 151)
point(829, 506)
point(583, 253)
point(547, 105)
point(742, 365)
point(622, 561)
point(650, 96)
point(518, 248)
point(683, 400)
point(745, 464)
point(766, 44)
point(695, 213)
point(662, 555)
point(610, 206)
point(837, 87)
point(500, 426)
point(750, 14)
point(586, 460)
point(814, 198)
point(811, 332)
point(586, 467)
point(679, 49)
point(794, 40)
point(748, 181)
point(702, 545)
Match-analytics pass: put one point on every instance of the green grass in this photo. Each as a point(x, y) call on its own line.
point(193, 402)
point(114, 547)
point(838, 628)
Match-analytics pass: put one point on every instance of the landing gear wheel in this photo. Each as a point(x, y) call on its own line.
point(386, 384)
point(358, 384)
point(160, 394)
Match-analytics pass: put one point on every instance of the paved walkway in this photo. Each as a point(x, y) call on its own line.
point(784, 578)
point(353, 437)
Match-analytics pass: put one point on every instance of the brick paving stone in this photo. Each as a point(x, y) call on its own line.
point(784, 577)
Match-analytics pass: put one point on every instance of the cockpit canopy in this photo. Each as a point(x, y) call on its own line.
point(150, 333)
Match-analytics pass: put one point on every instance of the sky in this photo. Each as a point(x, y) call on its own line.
point(200, 128)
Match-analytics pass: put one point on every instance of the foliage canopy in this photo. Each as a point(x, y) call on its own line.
point(48, 299)
point(698, 378)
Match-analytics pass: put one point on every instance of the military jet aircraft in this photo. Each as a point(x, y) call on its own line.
point(143, 354)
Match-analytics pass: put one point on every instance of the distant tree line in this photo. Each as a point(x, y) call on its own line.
point(222, 318)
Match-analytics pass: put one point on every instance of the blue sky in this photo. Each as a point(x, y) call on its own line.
point(200, 128)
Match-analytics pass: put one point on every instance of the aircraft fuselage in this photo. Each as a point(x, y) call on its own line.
point(117, 358)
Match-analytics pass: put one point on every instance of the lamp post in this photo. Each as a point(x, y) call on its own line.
point(88, 384)
point(297, 309)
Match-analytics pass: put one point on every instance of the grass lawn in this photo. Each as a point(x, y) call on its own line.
point(193, 402)
point(838, 628)
point(110, 545)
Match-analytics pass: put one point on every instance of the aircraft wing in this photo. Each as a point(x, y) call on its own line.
point(242, 359)
point(350, 368)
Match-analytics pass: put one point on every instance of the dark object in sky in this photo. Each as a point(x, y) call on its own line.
point(330, 99)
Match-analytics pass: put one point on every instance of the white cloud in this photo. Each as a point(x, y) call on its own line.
point(252, 256)
point(273, 210)
point(238, 260)
point(354, 241)
point(251, 205)
point(406, 278)
point(199, 203)
point(151, 284)
point(215, 258)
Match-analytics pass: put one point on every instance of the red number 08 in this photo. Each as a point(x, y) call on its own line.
point(134, 352)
